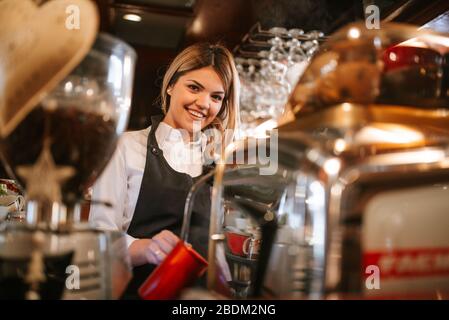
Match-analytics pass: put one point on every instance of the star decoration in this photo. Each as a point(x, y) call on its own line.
point(44, 178)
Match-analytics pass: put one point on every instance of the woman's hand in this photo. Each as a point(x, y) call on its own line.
point(153, 250)
point(160, 246)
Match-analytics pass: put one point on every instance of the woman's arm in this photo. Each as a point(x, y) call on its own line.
point(112, 187)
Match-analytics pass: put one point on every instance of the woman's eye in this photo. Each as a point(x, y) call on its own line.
point(193, 87)
point(218, 98)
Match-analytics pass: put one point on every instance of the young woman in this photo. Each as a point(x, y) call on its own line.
point(152, 170)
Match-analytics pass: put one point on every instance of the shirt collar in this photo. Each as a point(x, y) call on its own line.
point(168, 134)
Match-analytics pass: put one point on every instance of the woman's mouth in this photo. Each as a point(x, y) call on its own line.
point(196, 114)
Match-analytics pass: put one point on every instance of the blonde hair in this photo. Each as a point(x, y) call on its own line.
point(202, 55)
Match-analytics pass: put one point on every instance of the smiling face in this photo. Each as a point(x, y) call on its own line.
point(197, 96)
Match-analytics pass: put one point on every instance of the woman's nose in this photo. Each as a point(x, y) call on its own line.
point(203, 101)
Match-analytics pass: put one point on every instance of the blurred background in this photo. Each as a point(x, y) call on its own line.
point(158, 29)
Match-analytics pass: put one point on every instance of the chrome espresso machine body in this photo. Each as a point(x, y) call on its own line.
point(351, 198)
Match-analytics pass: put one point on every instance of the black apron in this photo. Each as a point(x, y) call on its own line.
point(160, 206)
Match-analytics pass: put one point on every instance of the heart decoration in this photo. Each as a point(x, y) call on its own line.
point(39, 47)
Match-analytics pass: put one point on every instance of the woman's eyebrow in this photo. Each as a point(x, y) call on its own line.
point(202, 87)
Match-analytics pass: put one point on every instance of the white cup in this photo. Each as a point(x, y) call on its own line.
point(11, 203)
point(241, 223)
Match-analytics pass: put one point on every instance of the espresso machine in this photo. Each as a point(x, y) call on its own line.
point(62, 110)
point(350, 199)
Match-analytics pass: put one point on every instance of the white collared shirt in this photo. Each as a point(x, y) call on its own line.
point(120, 182)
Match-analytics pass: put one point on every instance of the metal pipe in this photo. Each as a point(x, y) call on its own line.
point(188, 208)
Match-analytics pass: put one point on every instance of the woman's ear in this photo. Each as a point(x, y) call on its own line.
point(169, 90)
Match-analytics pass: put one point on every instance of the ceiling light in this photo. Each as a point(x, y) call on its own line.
point(132, 17)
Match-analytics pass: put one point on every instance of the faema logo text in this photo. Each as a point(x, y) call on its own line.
point(405, 263)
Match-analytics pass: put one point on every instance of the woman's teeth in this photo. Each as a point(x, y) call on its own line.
point(196, 113)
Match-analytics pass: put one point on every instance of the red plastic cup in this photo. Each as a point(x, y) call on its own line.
point(180, 268)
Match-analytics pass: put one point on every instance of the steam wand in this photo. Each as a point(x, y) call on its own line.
point(188, 208)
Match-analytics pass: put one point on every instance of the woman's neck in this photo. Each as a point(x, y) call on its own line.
point(187, 135)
